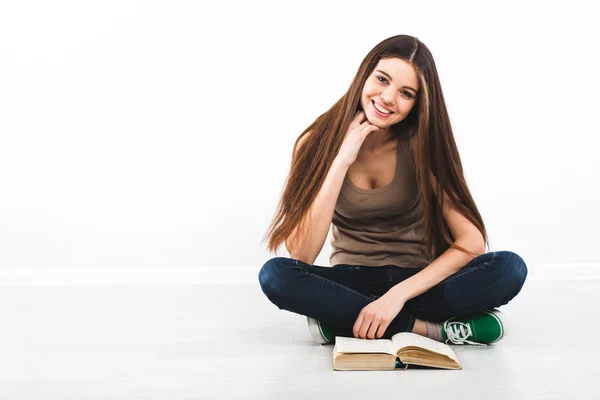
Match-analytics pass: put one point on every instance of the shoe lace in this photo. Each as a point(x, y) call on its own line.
point(459, 332)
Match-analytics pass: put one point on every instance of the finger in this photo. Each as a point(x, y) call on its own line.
point(373, 329)
point(381, 331)
point(368, 129)
point(367, 125)
point(357, 119)
point(363, 126)
point(358, 324)
point(362, 333)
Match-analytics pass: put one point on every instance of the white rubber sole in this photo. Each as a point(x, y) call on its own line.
point(313, 327)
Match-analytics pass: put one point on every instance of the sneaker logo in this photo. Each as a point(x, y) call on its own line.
point(459, 331)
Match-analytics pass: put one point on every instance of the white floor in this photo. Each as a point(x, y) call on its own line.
point(227, 341)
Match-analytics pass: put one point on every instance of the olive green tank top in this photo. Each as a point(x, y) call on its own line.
point(382, 226)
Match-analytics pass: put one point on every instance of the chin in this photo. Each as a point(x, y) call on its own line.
point(373, 121)
point(378, 124)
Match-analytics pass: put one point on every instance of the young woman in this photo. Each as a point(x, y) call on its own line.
point(408, 243)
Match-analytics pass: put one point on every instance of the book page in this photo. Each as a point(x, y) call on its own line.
point(407, 339)
point(356, 345)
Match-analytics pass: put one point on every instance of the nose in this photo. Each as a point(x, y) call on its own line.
point(385, 96)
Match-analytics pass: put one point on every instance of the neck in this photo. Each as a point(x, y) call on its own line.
point(378, 139)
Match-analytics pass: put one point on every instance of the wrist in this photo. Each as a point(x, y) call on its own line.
point(400, 291)
point(339, 163)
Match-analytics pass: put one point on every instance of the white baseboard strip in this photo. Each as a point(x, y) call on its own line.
point(215, 275)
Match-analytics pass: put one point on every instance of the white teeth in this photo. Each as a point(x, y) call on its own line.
point(381, 110)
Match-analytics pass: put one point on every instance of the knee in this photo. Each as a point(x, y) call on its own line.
point(272, 277)
point(514, 272)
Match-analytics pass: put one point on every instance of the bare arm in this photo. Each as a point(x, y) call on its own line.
point(452, 260)
point(306, 247)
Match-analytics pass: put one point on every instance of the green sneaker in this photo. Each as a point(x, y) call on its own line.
point(321, 333)
point(482, 328)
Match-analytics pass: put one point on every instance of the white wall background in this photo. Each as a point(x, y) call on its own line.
point(159, 133)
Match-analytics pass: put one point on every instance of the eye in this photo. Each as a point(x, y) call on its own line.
point(381, 79)
point(409, 94)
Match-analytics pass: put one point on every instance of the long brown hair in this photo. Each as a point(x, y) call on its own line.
point(434, 150)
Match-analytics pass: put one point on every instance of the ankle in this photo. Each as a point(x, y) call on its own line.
point(420, 327)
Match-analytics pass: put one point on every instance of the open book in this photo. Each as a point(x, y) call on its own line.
point(404, 349)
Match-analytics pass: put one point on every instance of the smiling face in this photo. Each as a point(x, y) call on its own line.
point(390, 92)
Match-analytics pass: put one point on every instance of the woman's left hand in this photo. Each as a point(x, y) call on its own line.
point(374, 319)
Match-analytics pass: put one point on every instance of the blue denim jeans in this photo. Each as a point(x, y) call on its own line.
point(336, 295)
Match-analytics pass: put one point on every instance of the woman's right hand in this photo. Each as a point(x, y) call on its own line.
point(354, 139)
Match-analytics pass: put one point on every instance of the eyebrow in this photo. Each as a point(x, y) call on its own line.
point(390, 78)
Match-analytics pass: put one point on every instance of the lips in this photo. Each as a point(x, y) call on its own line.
point(379, 113)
